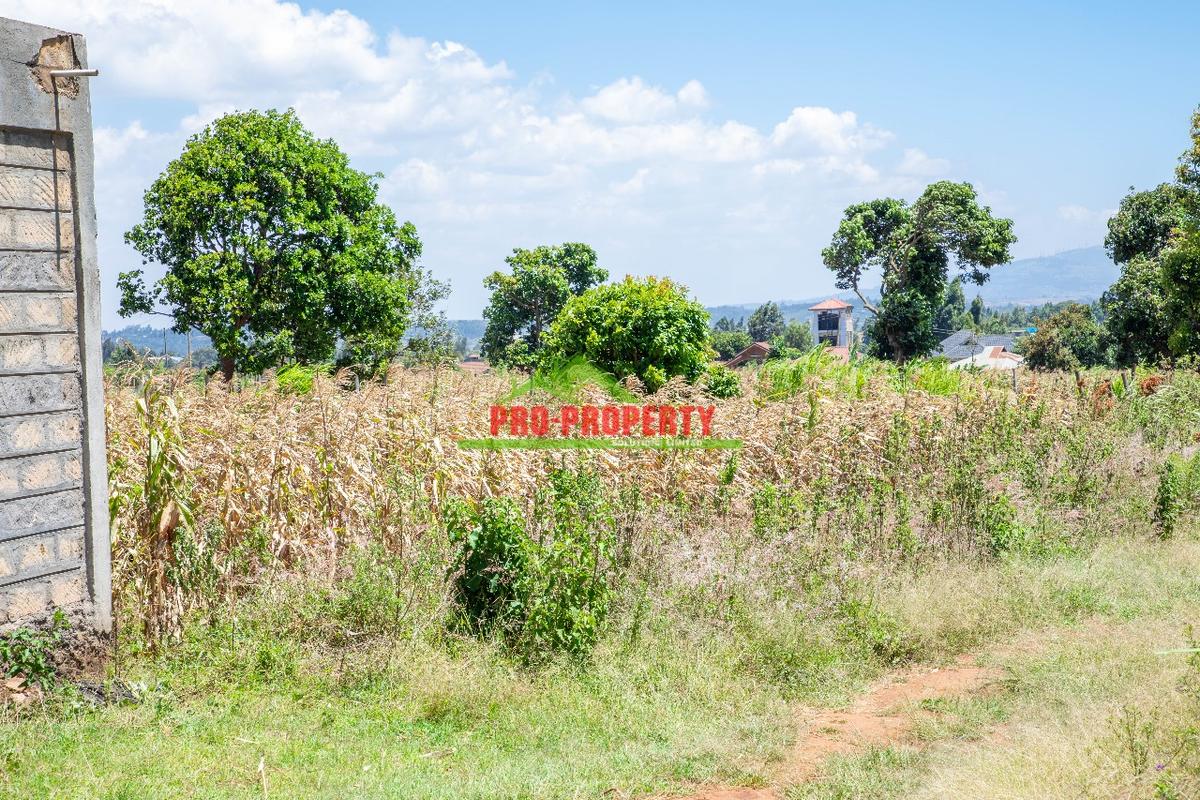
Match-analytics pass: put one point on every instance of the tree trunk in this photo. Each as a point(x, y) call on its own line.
point(227, 368)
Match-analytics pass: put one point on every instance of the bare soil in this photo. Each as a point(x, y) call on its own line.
point(881, 716)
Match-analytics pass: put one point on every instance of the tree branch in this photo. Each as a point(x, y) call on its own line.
point(866, 305)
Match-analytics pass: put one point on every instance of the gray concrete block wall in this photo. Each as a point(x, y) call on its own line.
point(54, 539)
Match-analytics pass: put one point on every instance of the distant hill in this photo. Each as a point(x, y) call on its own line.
point(1082, 274)
point(144, 337)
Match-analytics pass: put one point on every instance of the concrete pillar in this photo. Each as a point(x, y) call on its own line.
point(54, 537)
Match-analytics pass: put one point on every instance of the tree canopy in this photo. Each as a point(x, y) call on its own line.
point(1070, 339)
point(766, 322)
point(527, 300)
point(729, 343)
point(795, 339)
point(274, 247)
point(1153, 309)
point(914, 245)
point(649, 328)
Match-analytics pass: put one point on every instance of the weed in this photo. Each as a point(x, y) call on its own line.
point(29, 652)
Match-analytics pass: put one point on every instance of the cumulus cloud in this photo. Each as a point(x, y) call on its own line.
point(482, 159)
point(630, 100)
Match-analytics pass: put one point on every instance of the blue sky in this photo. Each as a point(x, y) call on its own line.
point(716, 143)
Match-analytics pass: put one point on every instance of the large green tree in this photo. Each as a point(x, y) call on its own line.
point(1153, 309)
point(526, 300)
point(914, 246)
point(274, 247)
point(766, 322)
point(649, 328)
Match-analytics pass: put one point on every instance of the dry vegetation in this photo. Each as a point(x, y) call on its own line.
point(840, 457)
point(291, 581)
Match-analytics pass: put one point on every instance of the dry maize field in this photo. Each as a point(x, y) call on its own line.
point(841, 456)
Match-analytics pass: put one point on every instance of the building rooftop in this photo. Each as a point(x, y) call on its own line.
point(965, 344)
point(832, 304)
point(755, 353)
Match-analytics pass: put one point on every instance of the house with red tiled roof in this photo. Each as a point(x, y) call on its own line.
point(754, 354)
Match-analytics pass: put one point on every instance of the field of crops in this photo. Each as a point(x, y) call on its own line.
point(498, 622)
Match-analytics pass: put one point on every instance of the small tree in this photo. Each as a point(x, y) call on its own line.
point(275, 248)
point(526, 301)
point(729, 343)
point(795, 338)
point(766, 323)
point(977, 310)
point(1068, 340)
point(649, 328)
point(914, 245)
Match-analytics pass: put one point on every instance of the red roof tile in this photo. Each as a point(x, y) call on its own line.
point(832, 304)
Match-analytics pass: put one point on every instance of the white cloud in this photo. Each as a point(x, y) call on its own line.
point(630, 100)
point(827, 131)
point(478, 159)
point(1082, 215)
point(915, 162)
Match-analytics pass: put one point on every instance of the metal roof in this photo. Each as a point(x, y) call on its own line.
point(965, 344)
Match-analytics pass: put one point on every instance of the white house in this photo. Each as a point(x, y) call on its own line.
point(833, 323)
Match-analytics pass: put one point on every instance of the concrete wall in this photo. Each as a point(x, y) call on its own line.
point(54, 539)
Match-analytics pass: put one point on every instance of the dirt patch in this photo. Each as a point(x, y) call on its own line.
point(880, 717)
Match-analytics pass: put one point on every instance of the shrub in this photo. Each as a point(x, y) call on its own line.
point(545, 594)
point(1178, 492)
point(491, 564)
point(567, 592)
point(29, 652)
point(722, 382)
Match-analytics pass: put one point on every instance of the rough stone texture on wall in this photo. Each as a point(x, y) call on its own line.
point(54, 541)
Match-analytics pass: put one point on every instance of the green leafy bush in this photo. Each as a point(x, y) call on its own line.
point(545, 593)
point(1178, 492)
point(722, 382)
point(649, 328)
point(29, 652)
point(491, 563)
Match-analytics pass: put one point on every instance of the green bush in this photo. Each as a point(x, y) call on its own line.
point(567, 592)
point(29, 652)
point(491, 563)
point(648, 328)
point(371, 600)
point(1178, 492)
point(546, 593)
point(722, 382)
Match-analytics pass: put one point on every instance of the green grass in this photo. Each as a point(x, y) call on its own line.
point(403, 720)
point(456, 718)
